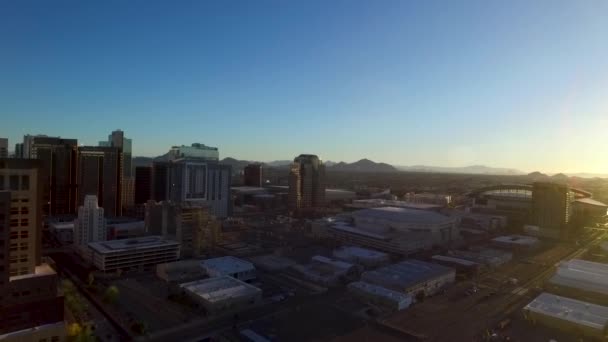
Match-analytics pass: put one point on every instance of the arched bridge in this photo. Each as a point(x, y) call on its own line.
point(519, 188)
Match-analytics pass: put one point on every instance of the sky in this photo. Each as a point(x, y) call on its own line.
point(520, 84)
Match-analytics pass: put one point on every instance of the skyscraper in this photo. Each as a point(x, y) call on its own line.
point(3, 148)
point(306, 183)
point(29, 306)
point(252, 175)
point(196, 176)
point(91, 223)
point(143, 184)
point(160, 180)
point(117, 139)
point(19, 150)
point(100, 174)
point(551, 208)
point(59, 166)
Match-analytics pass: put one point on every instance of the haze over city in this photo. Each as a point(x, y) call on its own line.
point(515, 84)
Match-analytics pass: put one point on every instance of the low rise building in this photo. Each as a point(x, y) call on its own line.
point(223, 294)
point(180, 271)
point(63, 232)
point(459, 264)
point(136, 253)
point(125, 230)
point(326, 271)
point(272, 263)
point(379, 295)
point(487, 256)
point(581, 279)
point(441, 229)
point(414, 277)
point(380, 203)
point(429, 198)
point(571, 315)
point(516, 242)
point(229, 266)
point(368, 258)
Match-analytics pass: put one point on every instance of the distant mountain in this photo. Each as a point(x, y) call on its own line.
point(236, 164)
point(588, 175)
point(560, 176)
point(363, 165)
point(141, 161)
point(279, 163)
point(329, 163)
point(536, 174)
point(473, 169)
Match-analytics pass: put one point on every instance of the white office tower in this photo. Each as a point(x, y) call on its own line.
point(91, 224)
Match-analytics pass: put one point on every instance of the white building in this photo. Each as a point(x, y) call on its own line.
point(575, 316)
point(366, 257)
point(180, 271)
point(91, 224)
point(440, 228)
point(379, 295)
point(222, 294)
point(428, 198)
point(136, 253)
point(411, 276)
point(229, 266)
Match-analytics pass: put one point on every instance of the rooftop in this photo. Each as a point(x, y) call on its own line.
point(115, 246)
point(334, 263)
point(220, 288)
point(406, 273)
point(62, 225)
point(379, 291)
point(460, 261)
point(378, 202)
point(39, 271)
point(572, 310)
point(403, 215)
point(228, 264)
point(592, 202)
point(359, 252)
point(516, 239)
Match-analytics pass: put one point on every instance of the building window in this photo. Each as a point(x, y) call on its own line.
point(13, 247)
point(25, 210)
point(14, 210)
point(25, 182)
point(23, 258)
point(1, 182)
point(24, 246)
point(14, 222)
point(25, 222)
point(13, 182)
point(14, 235)
point(25, 234)
point(25, 200)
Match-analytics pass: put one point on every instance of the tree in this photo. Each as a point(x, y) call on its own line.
point(111, 294)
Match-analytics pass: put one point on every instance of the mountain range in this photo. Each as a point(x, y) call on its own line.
point(366, 165)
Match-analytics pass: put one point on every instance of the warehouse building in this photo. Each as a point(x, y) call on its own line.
point(516, 242)
point(222, 294)
point(367, 258)
point(229, 266)
point(487, 256)
point(180, 271)
point(581, 278)
point(326, 271)
point(272, 262)
point(379, 295)
point(130, 254)
point(568, 314)
point(414, 277)
point(459, 264)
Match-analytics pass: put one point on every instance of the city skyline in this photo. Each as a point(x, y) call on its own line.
point(519, 85)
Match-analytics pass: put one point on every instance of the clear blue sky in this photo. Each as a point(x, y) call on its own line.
point(520, 84)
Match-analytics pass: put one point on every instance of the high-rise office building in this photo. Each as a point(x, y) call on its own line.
point(117, 139)
point(252, 175)
point(3, 148)
point(59, 171)
point(306, 183)
point(91, 223)
point(160, 180)
point(551, 208)
point(100, 174)
point(19, 150)
point(30, 309)
point(143, 184)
